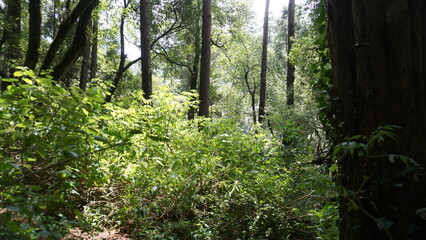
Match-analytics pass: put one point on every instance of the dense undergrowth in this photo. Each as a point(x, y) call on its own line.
point(69, 160)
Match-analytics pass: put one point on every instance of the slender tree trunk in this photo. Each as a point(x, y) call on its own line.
point(378, 61)
point(290, 66)
point(12, 36)
point(205, 59)
point(85, 61)
point(262, 97)
point(63, 30)
point(34, 37)
point(145, 49)
point(94, 53)
point(252, 93)
point(77, 46)
point(195, 65)
point(120, 70)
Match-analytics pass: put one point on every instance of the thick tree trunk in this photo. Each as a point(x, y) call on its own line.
point(11, 38)
point(290, 66)
point(205, 59)
point(34, 37)
point(145, 49)
point(262, 97)
point(378, 54)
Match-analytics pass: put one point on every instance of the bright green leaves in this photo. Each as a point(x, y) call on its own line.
point(49, 136)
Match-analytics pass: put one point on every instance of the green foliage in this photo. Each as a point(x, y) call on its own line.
point(49, 140)
point(71, 160)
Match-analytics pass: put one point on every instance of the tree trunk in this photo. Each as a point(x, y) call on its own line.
point(252, 93)
point(94, 54)
point(378, 54)
point(120, 70)
point(11, 38)
point(63, 30)
point(34, 37)
point(145, 49)
point(85, 61)
point(77, 46)
point(290, 66)
point(262, 97)
point(195, 65)
point(205, 59)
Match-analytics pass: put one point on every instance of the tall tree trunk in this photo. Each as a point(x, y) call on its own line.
point(94, 54)
point(262, 97)
point(290, 66)
point(145, 49)
point(85, 61)
point(34, 37)
point(12, 35)
point(63, 30)
point(205, 59)
point(195, 65)
point(378, 53)
point(77, 46)
point(121, 65)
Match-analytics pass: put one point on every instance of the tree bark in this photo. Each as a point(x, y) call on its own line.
point(11, 36)
point(290, 66)
point(252, 93)
point(262, 97)
point(195, 65)
point(77, 46)
point(120, 70)
point(145, 49)
point(378, 53)
point(94, 53)
point(85, 61)
point(205, 59)
point(63, 30)
point(34, 37)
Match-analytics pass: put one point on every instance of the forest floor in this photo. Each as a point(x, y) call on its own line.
point(107, 234)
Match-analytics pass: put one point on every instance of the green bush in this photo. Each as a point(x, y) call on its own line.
point(70, 160)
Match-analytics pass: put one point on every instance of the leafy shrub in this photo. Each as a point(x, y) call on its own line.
point(69, 159)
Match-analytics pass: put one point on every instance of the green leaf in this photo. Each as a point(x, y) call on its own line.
point(159, 139)
point(44, 81)
point(101, 139)
point(35, 188)
point(333, 168)
point(18, 74)
point(27, 80)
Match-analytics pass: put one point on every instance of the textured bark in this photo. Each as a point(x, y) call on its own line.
point(34, 37)
point(11, 37)
point(77, 46)
point(63, 30)
point(205, 59)
point(378, 53)
point(290, 66)
point(145, 49)
point(262, 97)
